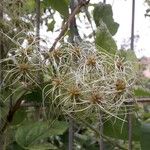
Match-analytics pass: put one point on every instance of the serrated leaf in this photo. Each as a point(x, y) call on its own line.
point(29, 134)
point(60, 5)
point(145, 136)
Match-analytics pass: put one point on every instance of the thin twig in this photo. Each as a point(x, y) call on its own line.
point(74, 33)
point(71, 134)
point(101, 142)
point(38, 14)
point(67, 24)
point(139, 100)
point(132, 25)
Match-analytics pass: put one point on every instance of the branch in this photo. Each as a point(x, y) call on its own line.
point(71, 134)
point(67, 24)
point(38, 14)
point(138, 100)
point(73, 26)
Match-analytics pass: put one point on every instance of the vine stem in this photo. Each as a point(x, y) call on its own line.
point(38, 15)
point(37, 24)
point(73, 26)
point(71, 134)
point(74, 32)
point(104, 1)
point(132, 25)
point(67, 24)
point(101, 142)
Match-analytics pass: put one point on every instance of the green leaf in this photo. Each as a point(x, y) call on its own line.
point(145, 136)
point(104, 12)
point(47, 146)
point(60, 5)
point(51, 26)
point(115, 128)
point(29, 6)
point(34, 96)
point(19, 117)
point(14, 146)
point(141, 92)
point(17, 94)
point(58, 128)
point(104, 39)
point(30, 133)
point(129, 55)
point(146, 116)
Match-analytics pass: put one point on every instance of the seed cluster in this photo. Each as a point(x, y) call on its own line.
point(22, 66)
point(80, 79)
point(90, 80)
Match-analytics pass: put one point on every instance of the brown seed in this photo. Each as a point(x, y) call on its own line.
point(56, 81)
point(24, 67)
point(74, 91)
point(57, 54)
point(91, 61)
point(96, 97)
point(120, 85)
point(120, 65)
